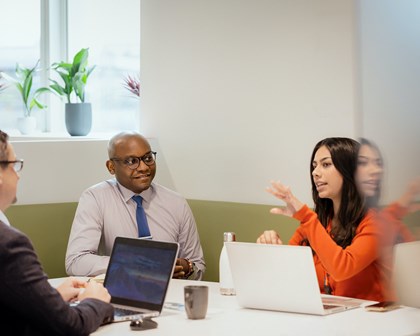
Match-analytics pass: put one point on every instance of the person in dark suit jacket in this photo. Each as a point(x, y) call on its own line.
point(29, 305)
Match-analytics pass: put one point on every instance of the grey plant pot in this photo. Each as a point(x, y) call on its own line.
point(78, 118)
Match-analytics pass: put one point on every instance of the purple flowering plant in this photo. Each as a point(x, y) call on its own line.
point(132, 84)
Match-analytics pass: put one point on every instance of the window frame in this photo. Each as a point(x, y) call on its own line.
point(54, 45)
point(54, 32)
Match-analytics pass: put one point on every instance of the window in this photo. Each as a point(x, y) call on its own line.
point(54, 31)
point(18, 44)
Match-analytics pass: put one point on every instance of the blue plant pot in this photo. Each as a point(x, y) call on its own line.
point(78, 118)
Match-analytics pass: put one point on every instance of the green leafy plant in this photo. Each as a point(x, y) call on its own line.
point(132, 84)
point(23, 82)
point(74, 76)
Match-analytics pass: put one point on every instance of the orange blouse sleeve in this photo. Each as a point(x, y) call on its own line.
point(298, 237)
point(394, 210)
point(340, 263)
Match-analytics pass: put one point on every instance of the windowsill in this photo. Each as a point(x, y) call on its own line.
point(46, 137)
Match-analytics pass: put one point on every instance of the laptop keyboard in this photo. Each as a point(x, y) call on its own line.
point(327, 306)
point(124, 312)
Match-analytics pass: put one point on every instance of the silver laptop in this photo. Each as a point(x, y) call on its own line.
point(138, 276)
point(280, 278)
point(406, 273)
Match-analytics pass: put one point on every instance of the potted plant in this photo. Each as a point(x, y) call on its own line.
point(78, 113)
point(23, 82)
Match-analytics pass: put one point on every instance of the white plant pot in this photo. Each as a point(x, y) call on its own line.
point(26, 125)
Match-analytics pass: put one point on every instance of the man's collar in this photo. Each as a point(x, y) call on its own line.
point(3, 218)
point(127, 193)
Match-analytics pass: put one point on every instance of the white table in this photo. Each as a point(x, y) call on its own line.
point(225, 317)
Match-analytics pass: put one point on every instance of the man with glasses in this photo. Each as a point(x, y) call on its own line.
point(111, 209)
point(29, 305)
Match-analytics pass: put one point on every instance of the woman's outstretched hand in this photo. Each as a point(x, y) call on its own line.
point(408, 199)
point(284, 193)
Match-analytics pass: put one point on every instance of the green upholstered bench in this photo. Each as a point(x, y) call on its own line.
point(48, 226)
point(248, 221)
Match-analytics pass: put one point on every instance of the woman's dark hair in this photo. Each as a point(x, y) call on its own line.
point(372, 201)
point(344, 153)
point(3, 146)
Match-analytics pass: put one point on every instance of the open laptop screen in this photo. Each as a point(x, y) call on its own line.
point(139, 272)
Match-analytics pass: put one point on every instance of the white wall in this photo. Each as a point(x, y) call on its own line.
point(57, 170)
point(238, 92)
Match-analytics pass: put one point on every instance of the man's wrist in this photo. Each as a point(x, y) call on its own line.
point(190, 269)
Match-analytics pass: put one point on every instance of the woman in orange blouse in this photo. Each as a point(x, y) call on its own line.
point(340, 230)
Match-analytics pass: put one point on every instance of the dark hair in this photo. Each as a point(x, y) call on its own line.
point(372, 201)
point(344, 152)
point(3, 146)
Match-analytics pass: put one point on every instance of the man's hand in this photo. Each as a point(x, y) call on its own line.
point(95, 290)
point(181, 268)
point(70, 288)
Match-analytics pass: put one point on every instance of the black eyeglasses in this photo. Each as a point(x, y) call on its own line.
point(133, 162)
point(17, 164)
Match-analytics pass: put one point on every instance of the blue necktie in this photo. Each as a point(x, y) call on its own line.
point(141, 218)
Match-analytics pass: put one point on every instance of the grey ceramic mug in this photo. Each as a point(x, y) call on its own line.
point(196, 301)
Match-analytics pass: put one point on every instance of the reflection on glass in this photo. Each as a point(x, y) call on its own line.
point(390, 217)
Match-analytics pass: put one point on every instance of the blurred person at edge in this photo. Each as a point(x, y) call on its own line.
point(391, 229)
